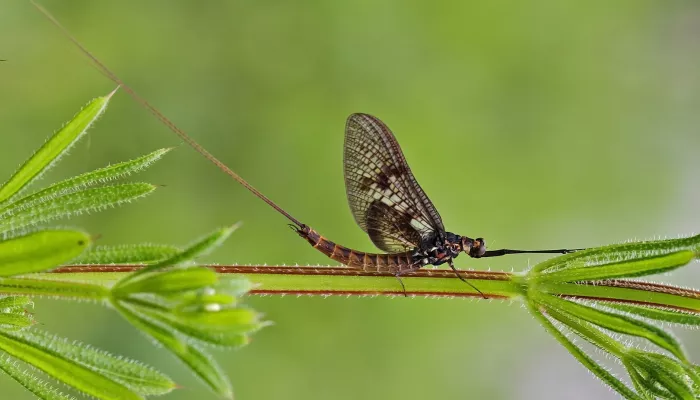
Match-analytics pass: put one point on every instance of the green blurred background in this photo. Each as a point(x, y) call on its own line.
point(534, 124)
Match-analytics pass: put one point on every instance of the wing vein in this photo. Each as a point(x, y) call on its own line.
point(385, 198)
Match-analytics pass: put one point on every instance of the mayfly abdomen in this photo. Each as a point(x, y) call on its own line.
point(369, 262)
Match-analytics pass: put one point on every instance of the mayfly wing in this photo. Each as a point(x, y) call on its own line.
point(385, 198)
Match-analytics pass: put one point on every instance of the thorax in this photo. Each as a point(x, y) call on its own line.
point(438, 249)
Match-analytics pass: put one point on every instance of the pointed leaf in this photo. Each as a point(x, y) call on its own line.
point(203, 299)
point(236, 337)
point(15, 302)
point(65, 370)
point(16, 319)
point(586, 330)
point(619, 253)
point(225, 291)
point(76, 203)
point(234, 319)
point(617, 323)
point(136, 376)
point(202, 364)
point(56, 146)
point(72, 185)
point(47, 287)
point(40, 251)
point(174, 281)
point(629, 268)
point(662, 375)
point(640, 383)
point(39, 388)
point(659, 314)
point(597, 369)
point(199, 248)
point(126, 254)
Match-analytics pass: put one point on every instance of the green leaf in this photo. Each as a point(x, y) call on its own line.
point(586, 330)
point(197, 249)
point(629, 268)
point(597, 370)
point(662, 375)
point(54, 288)
point(654, 375)
point(640, 383)
point(234, 335)
point(616, 323)
point(83, 201)
point(56, 146)
point(65, 370)
point(659, 314)
point(16, 319)
point(138, 377)
point(15, 302)
point(40, 251)
point(126, 254)
point(619, 253)
point(233, 319)
point(192, 302)
point(203, 299)
point(203, 365)
point(13, 314)
point(39, 388)
point(168, 282)
point(72, 185)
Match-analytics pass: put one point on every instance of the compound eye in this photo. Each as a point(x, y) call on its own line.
point(478, 248)
point(482, 246)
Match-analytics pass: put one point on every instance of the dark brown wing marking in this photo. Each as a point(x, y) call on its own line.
point(385, 198)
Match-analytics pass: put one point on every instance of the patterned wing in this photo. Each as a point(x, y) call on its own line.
point(384, 197)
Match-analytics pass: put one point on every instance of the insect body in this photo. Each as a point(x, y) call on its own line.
point(431, 254)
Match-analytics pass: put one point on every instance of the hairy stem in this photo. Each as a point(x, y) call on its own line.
point(436, 282)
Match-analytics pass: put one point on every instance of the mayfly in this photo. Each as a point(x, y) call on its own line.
point(385, 198)
point(391, 207)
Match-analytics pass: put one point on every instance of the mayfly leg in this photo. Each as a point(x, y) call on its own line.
point(452, 265)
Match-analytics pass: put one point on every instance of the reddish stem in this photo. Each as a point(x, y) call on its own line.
point(423, 273)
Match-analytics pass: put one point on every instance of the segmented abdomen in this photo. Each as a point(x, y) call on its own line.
point(369, 262)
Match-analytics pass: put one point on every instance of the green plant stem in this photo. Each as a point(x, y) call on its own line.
point(54, 288)
point(435, 282)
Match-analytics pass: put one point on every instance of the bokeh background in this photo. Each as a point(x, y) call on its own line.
point(534, 124)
